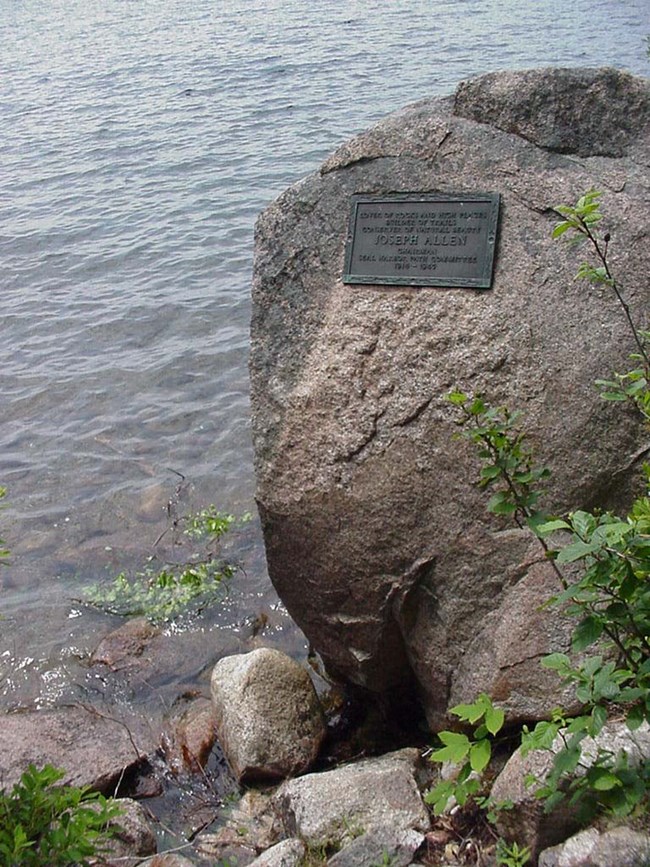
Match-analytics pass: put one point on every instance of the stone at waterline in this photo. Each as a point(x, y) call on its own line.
point(133, 837)
point(94, 747)
point(376, 539)
point(189, 735)
point(269, 720)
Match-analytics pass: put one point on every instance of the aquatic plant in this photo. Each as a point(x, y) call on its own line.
point(187, 588)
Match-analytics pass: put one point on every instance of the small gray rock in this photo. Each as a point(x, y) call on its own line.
point(620, 847)
point(133, 836)
point(334, 807)
point(385, 845)
point(222, 850)
point(287, 853)
point(527, 821)
point(254, 820)
point(269, 720)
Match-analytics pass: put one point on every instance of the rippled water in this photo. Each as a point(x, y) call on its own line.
point(138, 141)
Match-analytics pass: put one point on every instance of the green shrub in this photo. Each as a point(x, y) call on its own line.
point(611, 598)
point(42, 823)
point(473, 753)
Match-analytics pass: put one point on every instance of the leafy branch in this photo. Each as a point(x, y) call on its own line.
point(579, 224)
point(610, 599)
point(42, 822)
point(581, 219)
point(473, 754)
point(508, 464)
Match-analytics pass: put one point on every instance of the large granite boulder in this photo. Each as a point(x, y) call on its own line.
point(377, 540)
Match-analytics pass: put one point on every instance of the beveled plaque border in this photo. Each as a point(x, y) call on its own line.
point(481, 277)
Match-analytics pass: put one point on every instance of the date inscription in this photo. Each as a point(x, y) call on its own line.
point(418, 239)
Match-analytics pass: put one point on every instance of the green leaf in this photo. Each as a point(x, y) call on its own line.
point(479, 755)
point(561, 228)
point(566, 761)
point(457, 398)
point(494, 719)
point(559, 662)
point(583, 523)
point(635, 717)
point(489, 473)
point(467, 712)
point(456, 748)
point(439, 796)
point(576, 551)
point(552, 527)
point(586, 633)
point(613, 395)
point(603, 780)
point(499, 504)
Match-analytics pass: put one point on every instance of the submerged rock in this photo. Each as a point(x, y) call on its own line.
point(269, 720)
point(377, 540)
point(122, 647)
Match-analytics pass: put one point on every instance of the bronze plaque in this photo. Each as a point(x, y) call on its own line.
point(422, 239)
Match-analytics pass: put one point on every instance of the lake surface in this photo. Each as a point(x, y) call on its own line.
point(138, 142)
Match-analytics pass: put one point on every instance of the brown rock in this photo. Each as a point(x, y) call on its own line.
point(192, 737)
point(121, 647)
point(504, 659)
